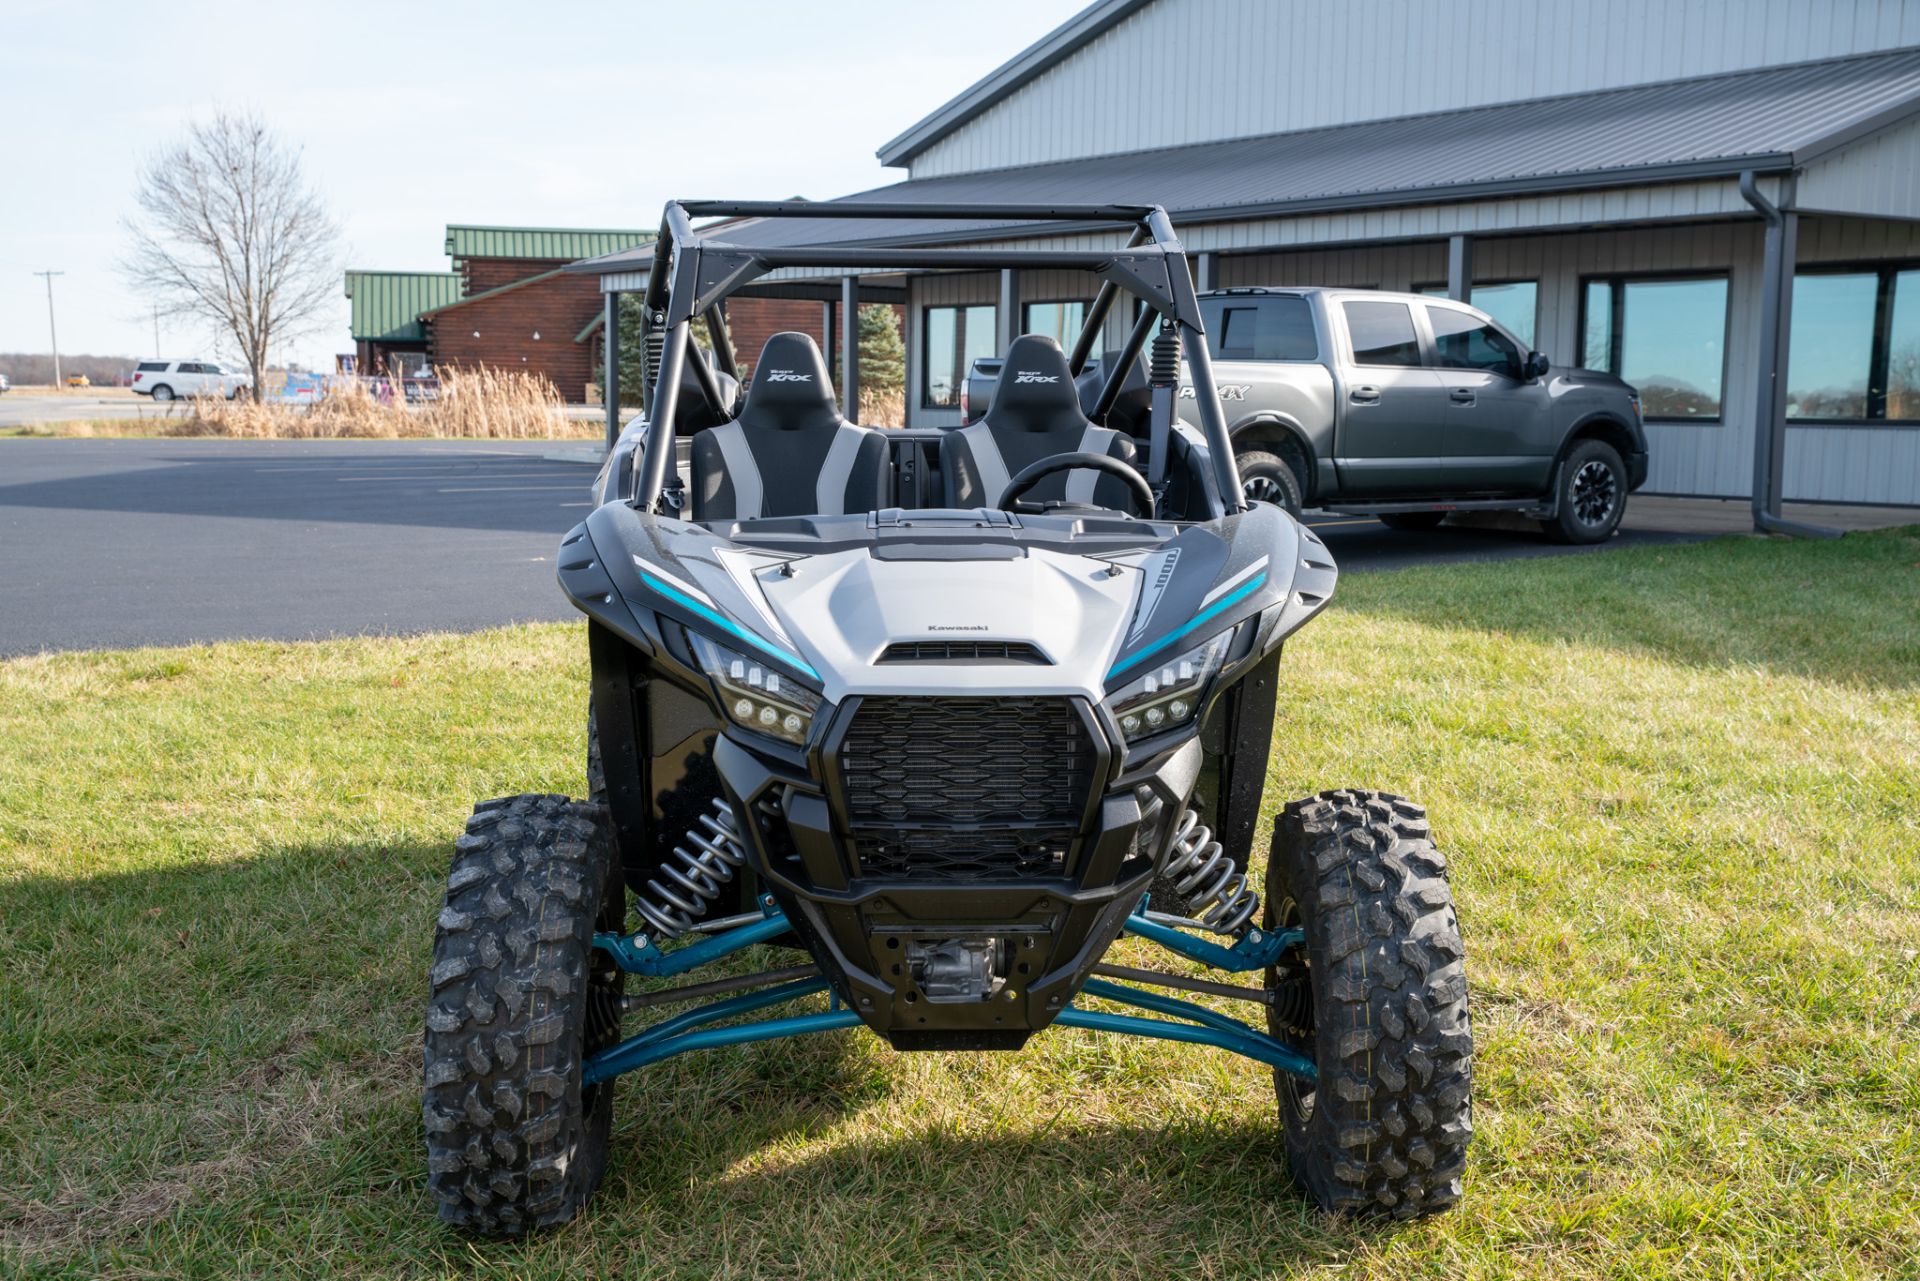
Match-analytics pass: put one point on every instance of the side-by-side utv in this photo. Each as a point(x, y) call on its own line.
point(946, 714)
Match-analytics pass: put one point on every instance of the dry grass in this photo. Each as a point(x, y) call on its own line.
point(882, 408)
point(483, 404)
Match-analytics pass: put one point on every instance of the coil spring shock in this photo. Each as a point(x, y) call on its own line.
point(653, 348)
point(690, 881)
point(1216, 891)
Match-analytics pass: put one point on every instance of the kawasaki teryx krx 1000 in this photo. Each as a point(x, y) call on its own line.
point(949, 714)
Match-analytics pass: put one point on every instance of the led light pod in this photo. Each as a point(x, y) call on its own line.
point(754, 695)
point(1167, 695)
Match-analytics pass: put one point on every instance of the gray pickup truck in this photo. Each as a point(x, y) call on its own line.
point(1403, 406)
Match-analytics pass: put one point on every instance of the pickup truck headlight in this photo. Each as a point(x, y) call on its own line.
point(754, 696)
point(1168, 695)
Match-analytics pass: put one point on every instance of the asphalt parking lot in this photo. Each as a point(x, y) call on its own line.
point(110, 543)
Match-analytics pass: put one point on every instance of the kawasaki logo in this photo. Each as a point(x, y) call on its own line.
point(1033, 376)
point(787, 376)
point(956, 627)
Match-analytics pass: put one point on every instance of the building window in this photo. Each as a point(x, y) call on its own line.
point(1514, 303)
point(1382, 333)
point(1665, 335)
point(1855, 353)
point(954, 338)
point(1259, 327)
point(1060, 321)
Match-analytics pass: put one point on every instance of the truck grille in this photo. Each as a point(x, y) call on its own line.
point(965, 788)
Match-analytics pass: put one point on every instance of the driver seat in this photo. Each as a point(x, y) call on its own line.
point(789, 453)
point(1035, 414)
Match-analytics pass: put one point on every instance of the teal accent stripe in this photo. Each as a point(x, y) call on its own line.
point(1205, 616)
point(726, 624)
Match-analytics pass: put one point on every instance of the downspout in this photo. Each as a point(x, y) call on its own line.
point(1769, 420)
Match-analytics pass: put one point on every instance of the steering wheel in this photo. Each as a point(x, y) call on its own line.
point(1034, 473)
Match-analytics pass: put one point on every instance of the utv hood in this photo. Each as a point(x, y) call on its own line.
point(865, 609)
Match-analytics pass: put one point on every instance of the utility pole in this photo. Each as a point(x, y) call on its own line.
point(156, 330)
point(52, 330)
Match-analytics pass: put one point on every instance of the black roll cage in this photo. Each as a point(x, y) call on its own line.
point(693, 273)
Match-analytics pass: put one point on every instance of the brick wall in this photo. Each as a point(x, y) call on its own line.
point(483, 274)
point(499, 331)
point(754, 320)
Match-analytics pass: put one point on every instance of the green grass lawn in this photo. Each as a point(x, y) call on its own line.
point(1680, 787)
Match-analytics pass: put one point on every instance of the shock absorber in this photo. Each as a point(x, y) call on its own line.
point(690, 880)
point(1163, 383)
point(1216, 892)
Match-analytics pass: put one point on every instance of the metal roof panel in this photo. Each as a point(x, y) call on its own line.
point(386, 305)
point(1768, 118)
point(557, 244)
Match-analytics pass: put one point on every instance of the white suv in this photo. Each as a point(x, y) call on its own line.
point(169, 379)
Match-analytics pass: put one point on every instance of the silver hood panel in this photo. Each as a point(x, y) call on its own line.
point(1098, 616)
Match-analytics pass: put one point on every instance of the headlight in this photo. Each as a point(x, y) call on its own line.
point(754, 696)
point(1168, 696)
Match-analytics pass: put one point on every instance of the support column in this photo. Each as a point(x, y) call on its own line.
point(1207, 272)
point(1460, 268)
point(1781, 249)
point(827, 347)
point(850, 349)
point(1008, 314)
point(610, 339)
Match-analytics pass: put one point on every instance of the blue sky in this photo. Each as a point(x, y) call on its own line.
point(414, 116)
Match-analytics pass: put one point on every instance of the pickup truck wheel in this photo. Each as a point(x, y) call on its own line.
point(1593, 494)
point(1412, 522)
point(1268, 478)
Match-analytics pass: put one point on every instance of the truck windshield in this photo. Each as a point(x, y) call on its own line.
point(1259, 327)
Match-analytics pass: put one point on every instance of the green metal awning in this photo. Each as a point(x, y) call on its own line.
point(557, 244)
point(387, 304)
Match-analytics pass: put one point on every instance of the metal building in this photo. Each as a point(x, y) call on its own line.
point(1717, 199)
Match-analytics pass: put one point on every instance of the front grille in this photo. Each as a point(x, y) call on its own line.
point(965, 788)
point(983, 652)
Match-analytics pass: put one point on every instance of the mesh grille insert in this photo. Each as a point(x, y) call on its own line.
point(965, 788)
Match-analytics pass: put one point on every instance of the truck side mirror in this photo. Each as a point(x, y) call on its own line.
point(1537, 365)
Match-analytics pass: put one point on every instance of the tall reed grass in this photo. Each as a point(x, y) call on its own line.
point(478, 404)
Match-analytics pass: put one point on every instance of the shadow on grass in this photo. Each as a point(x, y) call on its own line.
point(174, 1037)
point(188, 1048)
point(1846, 610)
point(1068, 1199)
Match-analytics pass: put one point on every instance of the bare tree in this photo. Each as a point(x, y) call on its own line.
point(231, 234)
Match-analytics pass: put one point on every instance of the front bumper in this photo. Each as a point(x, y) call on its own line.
point(867, 931)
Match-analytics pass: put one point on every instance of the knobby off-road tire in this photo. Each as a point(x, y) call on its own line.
point(596, 771)
point(1381, 1005)
point(519, 996)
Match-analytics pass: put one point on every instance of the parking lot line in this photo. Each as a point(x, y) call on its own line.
point(508, 489)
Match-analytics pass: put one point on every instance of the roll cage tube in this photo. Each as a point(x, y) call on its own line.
point(693, 273)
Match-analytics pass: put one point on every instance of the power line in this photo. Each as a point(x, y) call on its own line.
point(53, 330)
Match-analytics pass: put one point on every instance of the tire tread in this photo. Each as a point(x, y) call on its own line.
point(1391, 1122)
